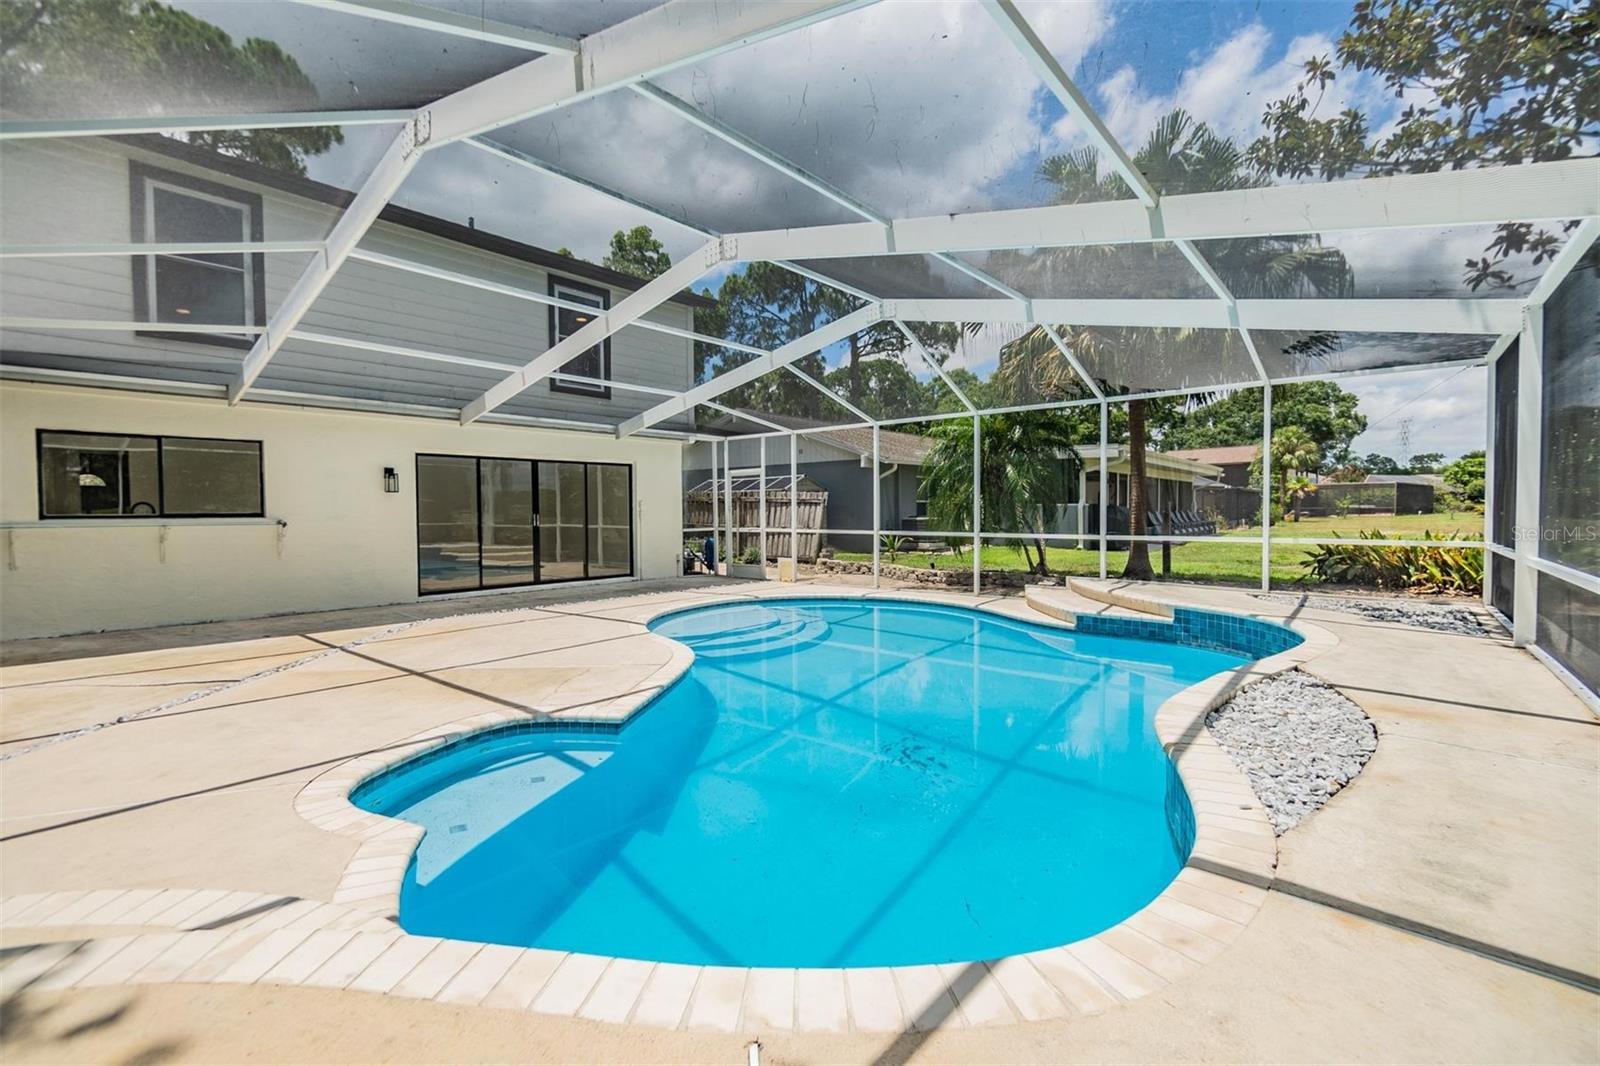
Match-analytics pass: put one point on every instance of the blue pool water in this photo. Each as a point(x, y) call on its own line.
point(833, 783)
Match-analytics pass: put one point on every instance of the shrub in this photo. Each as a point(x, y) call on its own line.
point(1412, 566)
point(751, 555)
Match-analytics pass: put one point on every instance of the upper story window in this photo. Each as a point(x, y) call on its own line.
point(227, 289)
point(117, 475)
point(595, 363)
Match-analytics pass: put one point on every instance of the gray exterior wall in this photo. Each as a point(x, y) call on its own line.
point(78, 192)
point(839, 472)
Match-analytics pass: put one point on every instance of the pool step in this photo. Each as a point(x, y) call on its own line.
point(760, 639)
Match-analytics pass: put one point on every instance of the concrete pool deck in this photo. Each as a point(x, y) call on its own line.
point(1441, 907)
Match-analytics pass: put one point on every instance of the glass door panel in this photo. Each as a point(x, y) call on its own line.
point(447, 523)
point(610, 521)
point(505, 492)
point(562, 520)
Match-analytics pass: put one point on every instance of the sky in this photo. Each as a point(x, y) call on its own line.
point(909, 106)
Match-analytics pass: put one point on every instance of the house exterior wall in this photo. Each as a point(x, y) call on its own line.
point(71, 192)
point(347, 543)
point(839, 472)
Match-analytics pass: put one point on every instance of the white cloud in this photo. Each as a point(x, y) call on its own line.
point(1230, 87)
point(1445, 411)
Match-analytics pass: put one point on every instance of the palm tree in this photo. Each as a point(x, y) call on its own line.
point(1180, 156)
point(1294, 454)
point(1296, 487)
point(1021, 475)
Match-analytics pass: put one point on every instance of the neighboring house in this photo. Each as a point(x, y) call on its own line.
point(1234, 461)
point(840, 462)
point(1169, 486)
point(132, 495)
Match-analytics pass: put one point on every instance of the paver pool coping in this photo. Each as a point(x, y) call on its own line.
point(338, 944)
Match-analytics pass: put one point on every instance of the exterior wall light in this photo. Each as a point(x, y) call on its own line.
point(391, 480)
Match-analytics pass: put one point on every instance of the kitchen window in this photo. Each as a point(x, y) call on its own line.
point(121, 475)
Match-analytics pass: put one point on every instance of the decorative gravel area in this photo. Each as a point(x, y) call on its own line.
point(1440, 617)
point(1298, 740)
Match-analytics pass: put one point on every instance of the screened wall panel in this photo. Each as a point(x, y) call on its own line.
point(1505, 452)
point(1569, 628)
point(1569, 497)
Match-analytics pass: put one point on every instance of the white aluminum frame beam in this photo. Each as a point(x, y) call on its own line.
point(1354, 316)
point(1556, 191)
point(265, 120)
point(69, 251)
point(816, 340)
point(628, 310)
point(652, 43)
point(353, 224)
point(441, 20)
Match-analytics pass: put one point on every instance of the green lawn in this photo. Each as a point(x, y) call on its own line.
point(1209, 560)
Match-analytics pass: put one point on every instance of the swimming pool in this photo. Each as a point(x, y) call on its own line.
point(832, 783)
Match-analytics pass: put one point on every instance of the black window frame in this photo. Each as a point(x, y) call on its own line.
point(161, 477)
point(574, 388)
point(139, 175)
point(538, 531)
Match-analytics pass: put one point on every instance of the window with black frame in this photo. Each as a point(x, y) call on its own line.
point(224, 289)
point(485, 522)
point(112, 475)
point(585, 373)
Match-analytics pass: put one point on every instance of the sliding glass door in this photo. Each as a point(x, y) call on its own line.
point(499, 523)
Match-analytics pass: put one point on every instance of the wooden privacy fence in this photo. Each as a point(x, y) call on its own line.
point(811, 518)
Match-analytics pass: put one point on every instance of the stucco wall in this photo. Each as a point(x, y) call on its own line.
point(347, 542)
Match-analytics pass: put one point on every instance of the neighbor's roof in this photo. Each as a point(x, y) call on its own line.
point(1433, 480)
point(906, 448)
point(1224, 456)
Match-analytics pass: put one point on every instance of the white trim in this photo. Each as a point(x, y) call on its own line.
point(1530, 460)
